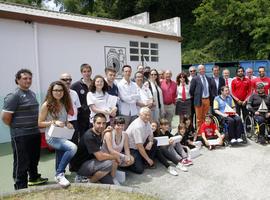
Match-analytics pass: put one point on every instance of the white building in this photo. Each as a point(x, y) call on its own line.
point(50, 43)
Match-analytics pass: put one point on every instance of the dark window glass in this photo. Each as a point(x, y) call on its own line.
point(154, 59)
point(154, 52)
point(144, 51)
point(145, 44)
point(134, 51)
point(134, 58)
point(133, 44)
point(154, 45)
point(145, 57)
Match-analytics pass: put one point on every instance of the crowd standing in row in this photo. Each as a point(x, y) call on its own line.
point(115, 122)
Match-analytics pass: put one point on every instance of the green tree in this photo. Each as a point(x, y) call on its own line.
point(37, 3)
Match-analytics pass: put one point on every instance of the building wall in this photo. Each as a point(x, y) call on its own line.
point(50, 50)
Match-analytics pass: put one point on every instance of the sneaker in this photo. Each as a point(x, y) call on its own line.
point(186, 162)
point(115, 181)
point(181, 167)
point(172, 171)
point(80, 179)
point(239, 140)
point(61, 180)
point(189, 162)
point(38, 181)
point(233, 141)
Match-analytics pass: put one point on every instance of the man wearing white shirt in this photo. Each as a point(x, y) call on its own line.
point(228, 80)
point(128, 95)
point(72, 117)
point(146, 97)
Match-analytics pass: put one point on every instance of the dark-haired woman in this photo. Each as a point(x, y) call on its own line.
point(183, 103)
point(154, 86)
point(116, 142)
point(54, 111)
point(99, 101)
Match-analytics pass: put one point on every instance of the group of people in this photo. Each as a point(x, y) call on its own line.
point(116, 122)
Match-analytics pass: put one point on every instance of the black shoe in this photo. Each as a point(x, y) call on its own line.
point(261, 140)
point(38, 181)
point(147, 166)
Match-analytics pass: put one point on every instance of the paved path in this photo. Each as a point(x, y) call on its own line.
point(226, 173)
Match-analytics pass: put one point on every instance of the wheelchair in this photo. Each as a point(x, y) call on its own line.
point(223, 129)
point(252, 128)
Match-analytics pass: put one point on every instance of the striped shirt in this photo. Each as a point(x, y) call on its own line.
point(24, 108)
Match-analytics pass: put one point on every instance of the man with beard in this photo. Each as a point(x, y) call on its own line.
point(90, 161)
point(254, 105)
point(241, 90)
point(262, 79)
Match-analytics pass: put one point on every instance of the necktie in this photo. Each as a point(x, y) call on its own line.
point(204, 87)
point(183, 92)
point(226, 82)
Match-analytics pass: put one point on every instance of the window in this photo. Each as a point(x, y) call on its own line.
point(141, 51)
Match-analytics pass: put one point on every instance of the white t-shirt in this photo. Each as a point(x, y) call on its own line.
point(100, 100)
point(75, 105)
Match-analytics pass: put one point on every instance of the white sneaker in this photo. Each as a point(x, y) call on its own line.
point(233, 140)
point(115, 181)
point(172, 171)
point(181, 167)
point(239, 140)
point(61, 180)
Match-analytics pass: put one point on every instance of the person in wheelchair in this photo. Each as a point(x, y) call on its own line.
point(224, 107)
point(210, 135)
point(259, 104)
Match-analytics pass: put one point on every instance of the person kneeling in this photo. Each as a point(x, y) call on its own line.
point(89, 160)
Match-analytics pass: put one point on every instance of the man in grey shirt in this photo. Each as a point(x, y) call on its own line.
point(20, 113)
point(141, 142)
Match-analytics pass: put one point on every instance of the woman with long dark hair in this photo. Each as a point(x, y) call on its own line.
point(99, 101)
point(154, 86)
point(54, 111)
point(183, 102)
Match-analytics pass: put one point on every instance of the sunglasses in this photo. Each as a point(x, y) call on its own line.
point(192, 71)
point(66, 79)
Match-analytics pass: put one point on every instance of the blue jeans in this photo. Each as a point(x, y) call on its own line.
point(64, 150)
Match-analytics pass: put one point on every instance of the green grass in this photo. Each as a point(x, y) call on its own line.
point(80, 193)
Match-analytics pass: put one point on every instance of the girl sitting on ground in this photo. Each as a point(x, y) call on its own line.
point(174, 148)
point(115, 141)
point(161, 154)
point(189, 135)
point(209, 131)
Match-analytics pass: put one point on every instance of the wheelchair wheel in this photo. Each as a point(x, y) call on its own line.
point(249, 127)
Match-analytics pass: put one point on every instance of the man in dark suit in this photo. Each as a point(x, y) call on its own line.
point(200, 90)
point(216, 83)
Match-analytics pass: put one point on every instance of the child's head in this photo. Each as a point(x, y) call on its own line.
point(154, 126)
point(164, 124)
point(181, 128)
point(208, 119)
point(187, 120)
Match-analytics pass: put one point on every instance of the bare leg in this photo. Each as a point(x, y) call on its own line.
point(97, 176)
point(114, 168)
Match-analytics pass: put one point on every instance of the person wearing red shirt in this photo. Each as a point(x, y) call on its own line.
point(209, 131)
point(261, 79)
point(169, 91)
point(241, 91)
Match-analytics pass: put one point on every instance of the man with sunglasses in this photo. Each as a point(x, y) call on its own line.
point(261, 79)
point(20, 113)
point(72, 116)
point(192, 72)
